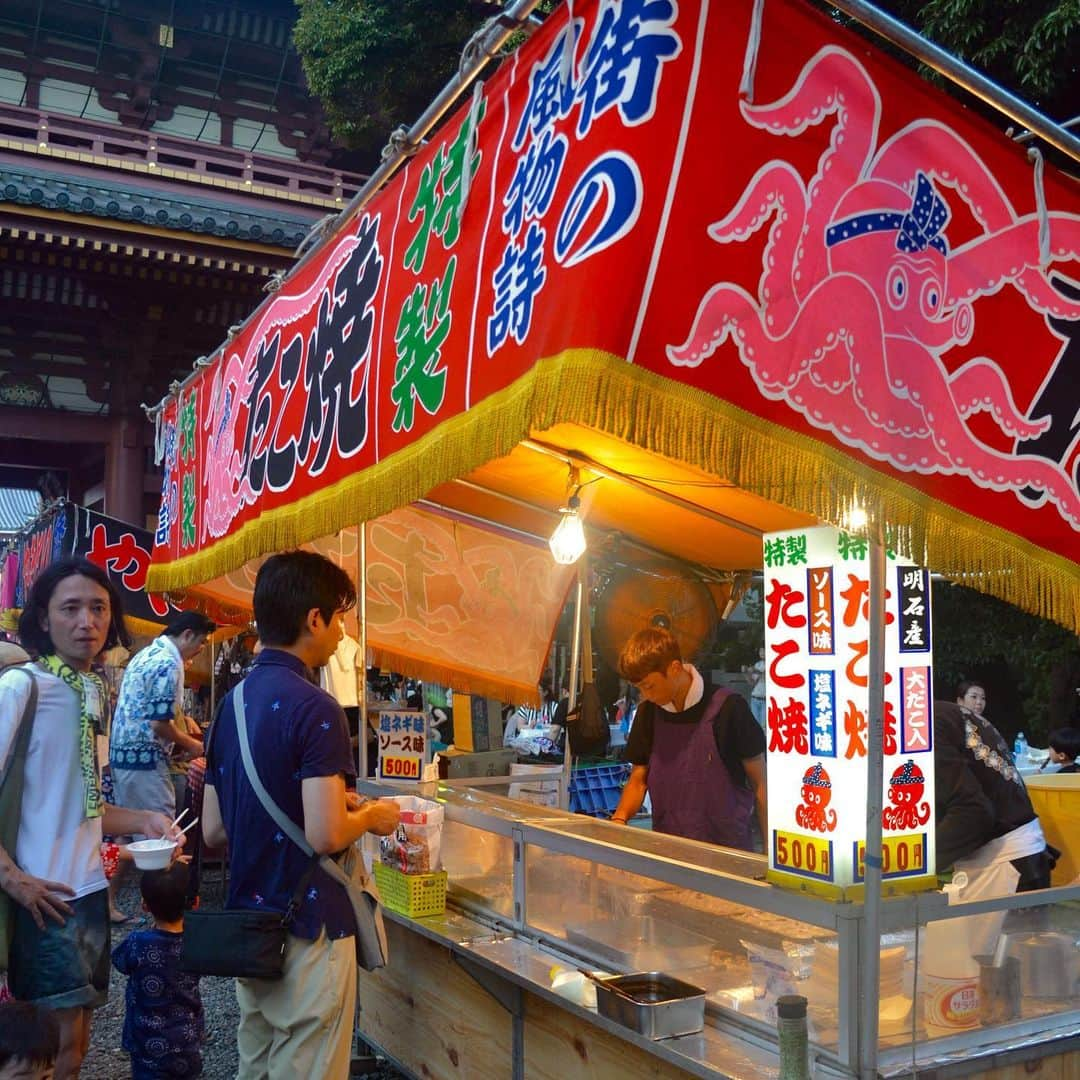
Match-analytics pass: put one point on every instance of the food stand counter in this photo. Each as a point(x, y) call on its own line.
point(530, 888)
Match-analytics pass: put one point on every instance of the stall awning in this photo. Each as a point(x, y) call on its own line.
point(769, 271)
point(472, 607)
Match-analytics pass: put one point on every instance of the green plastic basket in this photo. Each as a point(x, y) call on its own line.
point(414, 895)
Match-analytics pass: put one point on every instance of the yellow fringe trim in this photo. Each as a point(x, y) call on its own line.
point(601, 391)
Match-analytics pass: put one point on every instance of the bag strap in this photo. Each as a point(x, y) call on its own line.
point(23, 731)
point(281, 819)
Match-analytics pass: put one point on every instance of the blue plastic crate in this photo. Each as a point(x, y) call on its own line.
point(596, 789)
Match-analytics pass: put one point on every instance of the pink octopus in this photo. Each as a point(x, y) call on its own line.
point(906, 788)
point(860, 297)
point(814, 811)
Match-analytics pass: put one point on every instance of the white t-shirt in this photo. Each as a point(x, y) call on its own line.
point(56, 839)
point(339, 677)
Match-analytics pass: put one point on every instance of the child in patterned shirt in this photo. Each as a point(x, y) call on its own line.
point(163, 1022)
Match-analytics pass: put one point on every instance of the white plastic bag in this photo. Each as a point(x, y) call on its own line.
point(416, 844)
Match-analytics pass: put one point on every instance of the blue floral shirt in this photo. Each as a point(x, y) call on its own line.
point(151, 691)
point(163, 1017)
point(296, 731)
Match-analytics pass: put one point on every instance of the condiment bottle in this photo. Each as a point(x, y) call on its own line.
point(791, 1027)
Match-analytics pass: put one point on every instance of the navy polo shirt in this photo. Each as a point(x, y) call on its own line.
point(296, 731)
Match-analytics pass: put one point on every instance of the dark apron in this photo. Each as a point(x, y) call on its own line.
point(692, 792)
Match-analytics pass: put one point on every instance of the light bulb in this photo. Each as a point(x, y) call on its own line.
point(857, 518)
point(567, 542)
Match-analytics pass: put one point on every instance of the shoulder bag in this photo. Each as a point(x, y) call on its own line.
point(11, 791)
point(241, 944)
point(349, 872)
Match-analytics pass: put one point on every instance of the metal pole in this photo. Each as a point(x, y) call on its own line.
point(870, 966)
point(575, 666)
point(361, 634)
point(479, 53)
point(956, 70)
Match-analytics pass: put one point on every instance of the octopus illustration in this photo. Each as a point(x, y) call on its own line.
point(814, 811)
point(906, 787)
point(861, 296)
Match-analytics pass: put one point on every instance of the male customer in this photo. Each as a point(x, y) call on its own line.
point(696, 749)
point(300, 1025)
point(149, 722)
point(59, 955)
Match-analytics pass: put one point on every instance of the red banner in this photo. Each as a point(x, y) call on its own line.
point(841, 250)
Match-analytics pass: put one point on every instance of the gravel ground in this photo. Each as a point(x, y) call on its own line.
point(106, 1059)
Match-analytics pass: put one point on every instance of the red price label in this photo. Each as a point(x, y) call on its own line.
point(810, 856)
point(399, 768)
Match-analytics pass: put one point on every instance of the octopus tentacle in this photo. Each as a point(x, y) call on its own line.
point(980, 386)
point(928, 386)
point(982, 266)
point(931, 144)
point(775, 187)
point(831, 82)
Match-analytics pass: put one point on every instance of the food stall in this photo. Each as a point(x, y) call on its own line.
point(696, 276)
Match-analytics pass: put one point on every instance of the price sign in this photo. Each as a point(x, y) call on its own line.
point(808, 856)
point(403, 745)
point(399, 768)
point(901, 856)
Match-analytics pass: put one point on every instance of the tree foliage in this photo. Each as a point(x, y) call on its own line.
point(1016, 656)
point(1030, 47)
point(377, 64)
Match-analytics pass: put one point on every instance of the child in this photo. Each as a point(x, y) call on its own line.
point(29, 1042)
point(163, 1022)
point(1065, 748)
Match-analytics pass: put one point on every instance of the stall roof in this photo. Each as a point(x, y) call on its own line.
point(861, 302)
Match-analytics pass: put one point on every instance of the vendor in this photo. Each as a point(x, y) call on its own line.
point(695, 748)
point(985, 824)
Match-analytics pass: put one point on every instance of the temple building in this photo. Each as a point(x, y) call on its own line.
point(159, 163)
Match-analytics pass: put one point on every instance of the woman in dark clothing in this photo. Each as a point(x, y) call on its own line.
point(984, 815)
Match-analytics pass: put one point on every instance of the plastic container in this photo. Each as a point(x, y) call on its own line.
point(950, 975)
point(1020, 748)
point(596, 789)
point(414, 895)
point(1056, 799)
point(152, 854)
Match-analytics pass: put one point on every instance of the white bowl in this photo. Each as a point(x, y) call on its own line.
point(152, 854)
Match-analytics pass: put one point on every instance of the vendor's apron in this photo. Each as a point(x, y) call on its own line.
point(691, 789)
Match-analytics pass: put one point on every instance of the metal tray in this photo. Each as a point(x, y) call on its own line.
point(643, 942)
point(663, 1007)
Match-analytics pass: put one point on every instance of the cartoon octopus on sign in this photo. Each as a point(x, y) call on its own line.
point(814, 812)
point(860, 297)
point(906, 788)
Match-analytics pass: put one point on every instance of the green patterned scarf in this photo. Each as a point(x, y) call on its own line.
point(89, 725)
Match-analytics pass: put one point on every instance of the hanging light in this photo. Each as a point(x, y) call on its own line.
point(856, 518)
point(567, 542)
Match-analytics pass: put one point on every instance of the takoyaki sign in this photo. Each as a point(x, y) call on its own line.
point(817, 641)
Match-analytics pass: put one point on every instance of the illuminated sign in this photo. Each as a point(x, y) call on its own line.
point(817, 643)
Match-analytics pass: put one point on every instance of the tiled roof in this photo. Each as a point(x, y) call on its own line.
point(17, 508)
point(107, 198)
